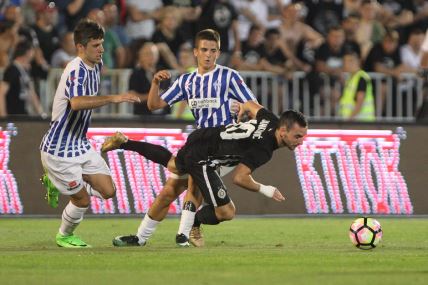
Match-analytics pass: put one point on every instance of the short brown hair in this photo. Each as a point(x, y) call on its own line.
point(87, 30)
point(209, 35)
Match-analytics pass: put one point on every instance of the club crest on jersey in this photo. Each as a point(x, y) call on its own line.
point(221, 193)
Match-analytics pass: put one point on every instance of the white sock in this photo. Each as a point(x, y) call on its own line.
point(186, 222)
point(91, 191)
point(71, 218)
point(146, 229)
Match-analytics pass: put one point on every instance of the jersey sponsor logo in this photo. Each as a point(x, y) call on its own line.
point(204, 103)
point(261, 128)
point(221, 193)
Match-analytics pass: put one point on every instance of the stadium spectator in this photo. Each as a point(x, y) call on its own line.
point(385, 58)
point(114, 53)
point(329, 61)
point(111, 23)
point(422, 112)
point(246, 146)
point(169, 38)
point(357, 101)
point(323, 15)
point(9, 38)
point(410, 53)
point(47, 34)
point(295, 33)
point(396, 13)
point(350, 26)
point(65, 53)
point(251, 51)
point(351, 7)
point(370, 31)
point(273, 58)
point(142, 74)
point(221, 16)
point(251, 13)
point(142, 15)
point(189, 11)
point(29, 9)
point(73, 11)
point(17, 93)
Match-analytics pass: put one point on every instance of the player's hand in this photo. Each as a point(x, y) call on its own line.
point(277, 196)
point(130, 97)
point(160, 76)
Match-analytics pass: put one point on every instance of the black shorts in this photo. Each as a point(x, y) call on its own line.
point(209, 182)
point(192, 159)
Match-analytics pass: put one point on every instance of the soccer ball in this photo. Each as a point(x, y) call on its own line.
point(365, 233)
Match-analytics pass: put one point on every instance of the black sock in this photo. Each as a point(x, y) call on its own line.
point(206, 216)
point(189, 206)
point(153, 152)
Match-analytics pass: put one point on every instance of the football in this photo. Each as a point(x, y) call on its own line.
point(365, 233)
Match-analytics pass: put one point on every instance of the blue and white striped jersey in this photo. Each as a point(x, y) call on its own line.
point(66, 136)
point(209, 95)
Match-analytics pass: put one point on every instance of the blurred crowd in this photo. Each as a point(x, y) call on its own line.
point(279, 36)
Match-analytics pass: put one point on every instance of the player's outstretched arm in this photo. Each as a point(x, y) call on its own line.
point(154, 102)
point(242, 177)
point(250, 107)
point(91, 102)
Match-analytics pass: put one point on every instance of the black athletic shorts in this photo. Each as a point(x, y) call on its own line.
point(191, 159)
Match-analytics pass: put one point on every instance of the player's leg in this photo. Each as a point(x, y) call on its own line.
point(153, 152)
point(219, 205)
point(65, 174)
point(157, 212)
point(192, 201)
point(71, 218)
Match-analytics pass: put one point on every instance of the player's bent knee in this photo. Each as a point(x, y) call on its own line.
point(109, 194)
point(225, 214)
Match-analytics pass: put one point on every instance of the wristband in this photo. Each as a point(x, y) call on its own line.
point(267, 190)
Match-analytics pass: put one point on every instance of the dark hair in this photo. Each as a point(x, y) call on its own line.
point(335, 28)
point(270, 32)
point(391, 34)
point(290, 117)
point(22, 48)
point(209, 35)
point(6, 25)
point(87, 30)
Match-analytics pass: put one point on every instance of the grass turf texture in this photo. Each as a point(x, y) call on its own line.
point(244, 251)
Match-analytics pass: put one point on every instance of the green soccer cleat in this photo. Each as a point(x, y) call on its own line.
point(70, 241)
point(52, 193)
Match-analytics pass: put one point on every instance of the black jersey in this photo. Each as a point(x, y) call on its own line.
point(251, 143)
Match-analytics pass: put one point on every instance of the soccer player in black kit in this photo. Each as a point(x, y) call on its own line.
point(246, 145)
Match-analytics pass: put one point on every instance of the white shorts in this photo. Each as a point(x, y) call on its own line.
point(66, 172)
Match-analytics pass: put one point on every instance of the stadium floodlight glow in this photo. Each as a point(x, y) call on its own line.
point(367, 168)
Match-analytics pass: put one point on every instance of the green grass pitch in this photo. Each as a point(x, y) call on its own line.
point(243, 251)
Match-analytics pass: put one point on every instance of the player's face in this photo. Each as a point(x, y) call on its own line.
point(293, 137)
point(93, 51)
point(206, 54)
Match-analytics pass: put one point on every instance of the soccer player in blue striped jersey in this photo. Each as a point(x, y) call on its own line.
point(72, 167)
point(210, 92)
